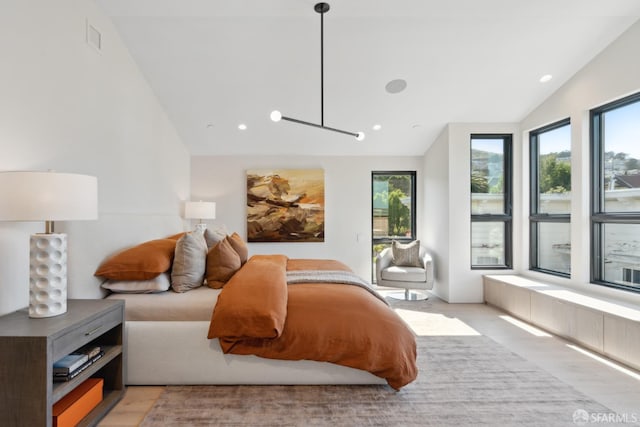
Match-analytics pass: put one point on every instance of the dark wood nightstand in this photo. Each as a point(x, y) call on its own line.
point(29, 347)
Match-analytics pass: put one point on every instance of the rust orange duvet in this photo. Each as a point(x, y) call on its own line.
point(259, 313)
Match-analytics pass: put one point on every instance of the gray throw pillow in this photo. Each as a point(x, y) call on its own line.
point(189, 262)
point(213, 236)
point(407, 255)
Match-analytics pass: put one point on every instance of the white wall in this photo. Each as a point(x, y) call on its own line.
point(611, 75)
point(347, 201)
point(435, 198)
point(67, 107)
point(447, 165)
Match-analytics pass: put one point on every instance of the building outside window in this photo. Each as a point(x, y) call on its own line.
point(615, 210)
point(550, 205)
point(491, 210)
point(393, 215)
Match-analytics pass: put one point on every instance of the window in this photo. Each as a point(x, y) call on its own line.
point(550, 190)
point(491, 216)
point(393, 215)
point(615, 202)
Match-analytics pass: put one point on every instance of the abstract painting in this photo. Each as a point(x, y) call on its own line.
point(285, 205)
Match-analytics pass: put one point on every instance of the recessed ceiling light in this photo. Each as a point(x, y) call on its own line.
point(242, 126)
point(545, 78)
point(396, 86)
point(377, 127)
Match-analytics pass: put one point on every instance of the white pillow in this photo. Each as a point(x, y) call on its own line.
point(159, 283)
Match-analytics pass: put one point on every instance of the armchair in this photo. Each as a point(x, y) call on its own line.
point(391, 275)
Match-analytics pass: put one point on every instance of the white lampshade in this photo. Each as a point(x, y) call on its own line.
point(47, 196)
point(200, 210)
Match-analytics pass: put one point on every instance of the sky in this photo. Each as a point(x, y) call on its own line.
point(622, 130)
point(489, 145)
point(555, 140)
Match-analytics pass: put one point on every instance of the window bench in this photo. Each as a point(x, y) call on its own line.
point(605, 326)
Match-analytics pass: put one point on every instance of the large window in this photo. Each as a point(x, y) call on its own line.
point(549, 219)
point(393, 215)
point(491, 216)
point(615, 211)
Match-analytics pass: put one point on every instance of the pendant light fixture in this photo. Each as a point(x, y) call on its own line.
point(276, 115)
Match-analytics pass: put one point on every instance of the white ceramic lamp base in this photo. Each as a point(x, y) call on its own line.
point(48, 275)
point(201, 226)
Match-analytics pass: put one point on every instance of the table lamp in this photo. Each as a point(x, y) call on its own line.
point(200, 210)
point(49, 197)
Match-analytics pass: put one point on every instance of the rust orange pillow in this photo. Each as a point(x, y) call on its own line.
point(142, 262)
point(239, 246)
point(222, 263)
point(176, 236)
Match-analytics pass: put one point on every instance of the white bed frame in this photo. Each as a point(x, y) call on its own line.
point(160, 353)
point(163, 353)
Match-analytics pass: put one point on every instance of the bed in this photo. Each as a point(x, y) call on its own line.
point(166, 333)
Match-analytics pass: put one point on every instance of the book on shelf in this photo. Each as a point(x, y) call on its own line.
point(69, 363)
point(90, 350)
point(61, 377)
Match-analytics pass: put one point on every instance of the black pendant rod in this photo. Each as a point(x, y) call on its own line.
point(276, 116)
point(321, 8)
point(302, 122)
point(322, 64)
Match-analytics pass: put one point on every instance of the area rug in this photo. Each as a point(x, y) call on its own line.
point(463, 381)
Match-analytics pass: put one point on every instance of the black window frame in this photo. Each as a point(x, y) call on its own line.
point(535, 217)
point(507, 215)
point(387, 240)
point(599, 218)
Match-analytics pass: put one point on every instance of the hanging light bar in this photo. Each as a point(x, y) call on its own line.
point(276, 115)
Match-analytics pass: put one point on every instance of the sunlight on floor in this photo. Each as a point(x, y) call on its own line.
point(434, 324)
point(609, 363)
point(525, 326)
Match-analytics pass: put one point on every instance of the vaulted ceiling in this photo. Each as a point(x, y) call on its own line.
point(217, 63)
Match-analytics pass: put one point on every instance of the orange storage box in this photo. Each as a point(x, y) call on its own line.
point(69, 410)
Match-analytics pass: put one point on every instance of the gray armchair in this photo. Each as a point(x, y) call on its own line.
point(397, 276)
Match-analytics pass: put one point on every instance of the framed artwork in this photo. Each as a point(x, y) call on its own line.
point(285, 205)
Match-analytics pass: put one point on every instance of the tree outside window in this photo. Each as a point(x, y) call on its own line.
point(490, 201)
point(393, 208)
point(550, 219)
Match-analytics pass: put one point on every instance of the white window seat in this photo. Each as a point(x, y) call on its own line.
point(608, 327)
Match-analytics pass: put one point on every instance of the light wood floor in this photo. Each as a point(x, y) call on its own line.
point(613, 385)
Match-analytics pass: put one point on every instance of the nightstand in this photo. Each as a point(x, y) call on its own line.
point(29, 347)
